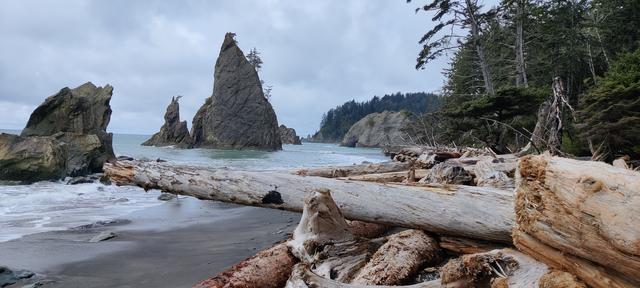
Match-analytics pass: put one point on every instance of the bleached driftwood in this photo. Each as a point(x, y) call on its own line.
point(497, 268)
point(466, 246)
point(584, 208)
point(468, 211)
point(303, 277)
point(353, 170)
point(324, 243)
point(399, 258)
point(366, 229)
point(269, 268)
point(489, 174)
point(388, 177)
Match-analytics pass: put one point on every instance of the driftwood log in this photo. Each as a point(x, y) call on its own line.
point(474, 212)
point(390, 176)
point(585, 209)
point(269, 268)
point(466, 246)
point(353, 170)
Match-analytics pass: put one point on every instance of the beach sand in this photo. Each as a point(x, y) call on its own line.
point(176, 244)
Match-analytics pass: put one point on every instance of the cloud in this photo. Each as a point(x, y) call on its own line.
point(317, 54)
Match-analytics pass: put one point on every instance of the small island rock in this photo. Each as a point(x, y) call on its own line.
point(288, 135)
point(172, 132)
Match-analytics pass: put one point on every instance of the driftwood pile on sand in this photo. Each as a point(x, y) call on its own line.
point(438, 219)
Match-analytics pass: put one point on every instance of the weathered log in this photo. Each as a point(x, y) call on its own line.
point(466, 246)
point(268, 268)
point(584, 208)
point(366, 229)
point(389, 176)
point(468, 211)
point(448, 173)
point(303, 277)
point(592, 274)
point(399, 258)
point(488, 175)
point(497, 268)
point(353, 170)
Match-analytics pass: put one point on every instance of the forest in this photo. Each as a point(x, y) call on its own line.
point(337, 121)
point(564, 74)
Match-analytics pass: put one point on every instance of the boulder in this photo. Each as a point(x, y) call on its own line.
point(65, 136)
point(237, 115)
point(288, 135)
point(377, 130)
point(172, 132)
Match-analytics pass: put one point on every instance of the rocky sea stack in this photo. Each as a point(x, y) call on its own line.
point(288, 135)
point(65, 136)
point(377, 130)
point(172, 132)
point(237, 115)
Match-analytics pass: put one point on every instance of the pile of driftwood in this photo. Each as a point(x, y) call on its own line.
point(438, 219)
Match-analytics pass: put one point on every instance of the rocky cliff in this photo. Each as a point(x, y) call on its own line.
point(237, 115)
point(377, 130)
point(65, 136)
point(172, 132)
point(288, 135)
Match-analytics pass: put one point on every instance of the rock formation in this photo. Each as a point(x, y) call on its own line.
point(172, 132)
point(65, 136)
point(237, 115)
point(377, 130)
point(288, 135)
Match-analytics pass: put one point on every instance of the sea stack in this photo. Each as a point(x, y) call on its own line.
point(172, 132)
point(65, 136)
point(237, 115)
point(288, 135)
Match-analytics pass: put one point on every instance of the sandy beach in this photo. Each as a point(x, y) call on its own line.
point(175, 244)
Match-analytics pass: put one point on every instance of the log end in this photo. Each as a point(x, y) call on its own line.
point(119, 172)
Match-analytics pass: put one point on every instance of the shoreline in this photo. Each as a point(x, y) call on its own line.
point(176, 244)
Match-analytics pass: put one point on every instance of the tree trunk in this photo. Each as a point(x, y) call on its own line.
point(583, 208)
point(390, 176)
point(468, 211)
point(521, 73)
point(354, 170)
point(475, 33)
point(269, 268)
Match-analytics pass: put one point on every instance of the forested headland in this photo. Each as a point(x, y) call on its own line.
point(337, 121)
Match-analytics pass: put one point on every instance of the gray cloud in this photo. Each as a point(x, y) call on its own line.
point(317, 54)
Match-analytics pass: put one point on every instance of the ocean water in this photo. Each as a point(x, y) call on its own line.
point(49, 206)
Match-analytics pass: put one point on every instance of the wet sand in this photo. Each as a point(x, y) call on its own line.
point(175, 244)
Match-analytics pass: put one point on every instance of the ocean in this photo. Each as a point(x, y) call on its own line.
point(50, 206)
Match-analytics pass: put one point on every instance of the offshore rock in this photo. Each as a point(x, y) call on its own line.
point(377, 130)
point(237, 115)
point(65, 136)
point(172, 132)
point(288, 135)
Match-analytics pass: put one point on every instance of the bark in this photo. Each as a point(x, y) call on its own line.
point(466, 246)
point(353, 170)
point(366, 229)
point(399, 258)
point(547, 134)
point(303, 277)
point(268, 268)
point(497, 268)
point(583, 208)
point(468, 211)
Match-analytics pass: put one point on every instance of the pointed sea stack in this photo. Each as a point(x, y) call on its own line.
point(288, 135)
point(172, 132)
point(237, 115)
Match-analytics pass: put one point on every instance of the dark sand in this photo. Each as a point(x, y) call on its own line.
point(176, 244)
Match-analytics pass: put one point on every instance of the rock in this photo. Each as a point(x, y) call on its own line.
point(103, 236)
point(377, 130)
point(166, 196)
point(125, 158)
point(172, 132)
point(80, 180)
point(31, 159)
point(65, 136)
point(237, 115)
point(288, 135)
point(9, 277)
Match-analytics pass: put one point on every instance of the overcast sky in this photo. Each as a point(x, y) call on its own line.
point(317, 54)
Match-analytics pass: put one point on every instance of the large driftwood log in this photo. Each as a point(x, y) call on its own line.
point(584, 208)
point(389, 176)
point(268, 268)
point(499, 268)
point(466, 246)
point(303, 277)
point(468, 211)
point(353, 170)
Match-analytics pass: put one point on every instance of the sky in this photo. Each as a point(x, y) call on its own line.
point(316, 54)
